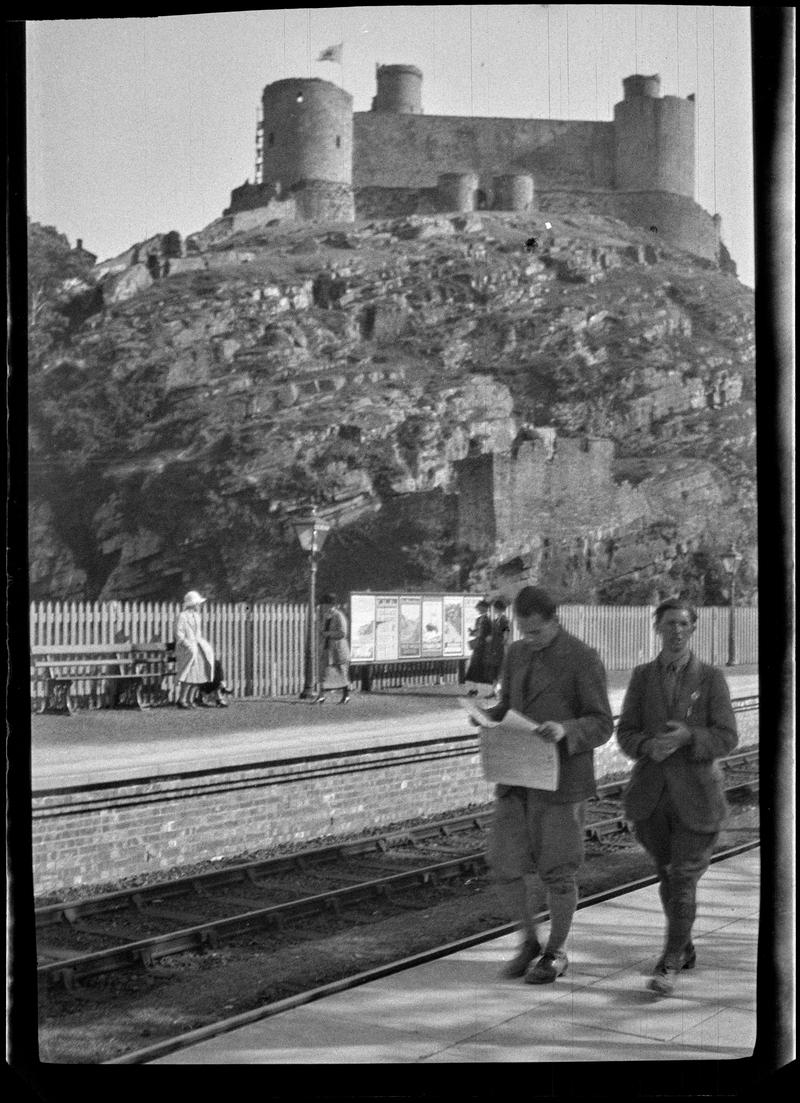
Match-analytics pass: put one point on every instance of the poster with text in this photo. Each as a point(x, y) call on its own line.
point(431, 626)
point(454, 642)
point(410, 628)
point(362, 628)
point(386, 627)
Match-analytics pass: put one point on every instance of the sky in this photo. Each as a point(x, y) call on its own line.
point(137, 126)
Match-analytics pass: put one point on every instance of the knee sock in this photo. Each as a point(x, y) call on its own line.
point(522, 898)
point(562, 906)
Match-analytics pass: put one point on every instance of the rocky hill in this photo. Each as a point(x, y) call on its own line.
point(182, 409)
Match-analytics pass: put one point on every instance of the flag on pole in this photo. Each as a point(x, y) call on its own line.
point(332, 53)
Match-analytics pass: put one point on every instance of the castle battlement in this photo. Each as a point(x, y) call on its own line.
point(639, 165)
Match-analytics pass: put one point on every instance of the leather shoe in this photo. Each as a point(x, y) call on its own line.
point(549, 966)
point(518, 965)
point(689, 959)
point(663, 980)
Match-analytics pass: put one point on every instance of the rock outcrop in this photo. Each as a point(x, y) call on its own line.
point(205, 398)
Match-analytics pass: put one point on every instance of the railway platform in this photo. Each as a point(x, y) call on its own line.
point(456, 1009)
point(117, 745)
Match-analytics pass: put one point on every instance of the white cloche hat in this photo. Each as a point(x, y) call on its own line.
point(192, 598)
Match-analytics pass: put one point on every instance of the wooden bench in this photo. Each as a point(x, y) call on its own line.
point(101, 674)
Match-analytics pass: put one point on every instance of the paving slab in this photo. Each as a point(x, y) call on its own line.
point(458, 1009)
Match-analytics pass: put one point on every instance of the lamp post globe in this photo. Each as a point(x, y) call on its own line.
point(311, 531)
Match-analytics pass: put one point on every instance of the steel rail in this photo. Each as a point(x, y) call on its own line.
point(250, 872)
point(224, 1026)
point(201, 936)
point(205, 935)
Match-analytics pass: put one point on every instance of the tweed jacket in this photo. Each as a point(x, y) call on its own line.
point(690, 774)
point(566, 681)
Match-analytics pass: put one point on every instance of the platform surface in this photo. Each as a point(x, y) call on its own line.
point(109, 745)
point(456, 1009)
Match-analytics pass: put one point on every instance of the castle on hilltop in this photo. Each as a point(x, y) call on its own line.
point(318, 160)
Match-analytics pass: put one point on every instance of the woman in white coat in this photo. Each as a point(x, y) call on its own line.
point(194, 655)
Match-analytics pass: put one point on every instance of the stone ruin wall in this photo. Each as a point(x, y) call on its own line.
point(564, 488)
point(409, 151)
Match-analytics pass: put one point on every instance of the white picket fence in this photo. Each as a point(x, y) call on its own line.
point(262, 645)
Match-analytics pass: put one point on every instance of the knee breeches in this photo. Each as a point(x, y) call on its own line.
point(531, 835)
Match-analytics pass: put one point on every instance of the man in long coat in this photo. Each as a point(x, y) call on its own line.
point(537, 842)
point(676, 721)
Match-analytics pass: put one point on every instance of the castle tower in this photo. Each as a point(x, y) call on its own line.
point(399, 90)
point(653, 139)
point(308, 145)
point(513, 191)
point(457, 191)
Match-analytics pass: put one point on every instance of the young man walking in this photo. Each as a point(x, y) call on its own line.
point(537, 841)
point(676, 721)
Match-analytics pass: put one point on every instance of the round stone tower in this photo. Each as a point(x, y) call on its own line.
point(653, 139)
point(399, 90)
point(308, 145)
point(457, 191)
point(513, 192)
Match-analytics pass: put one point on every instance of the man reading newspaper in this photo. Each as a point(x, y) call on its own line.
point(536, 844)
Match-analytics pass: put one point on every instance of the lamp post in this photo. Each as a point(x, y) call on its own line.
point(730, 561)
point(311, 533)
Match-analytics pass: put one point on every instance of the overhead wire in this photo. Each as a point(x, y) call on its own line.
point(714, 104)
point(471, 96)
point(596, 71)
point(549, 104)
point(566, 14)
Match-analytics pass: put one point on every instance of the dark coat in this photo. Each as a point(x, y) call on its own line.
point(690, 774)
point(569, 685)
point(479, 669)
point(496, 645)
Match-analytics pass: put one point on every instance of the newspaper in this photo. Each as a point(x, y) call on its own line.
point(512, 753)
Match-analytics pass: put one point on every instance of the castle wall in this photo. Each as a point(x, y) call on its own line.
point(514, 500)
point(410, 151)
point(677, 219)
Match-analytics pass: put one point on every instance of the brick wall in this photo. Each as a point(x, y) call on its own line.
point(105, 833)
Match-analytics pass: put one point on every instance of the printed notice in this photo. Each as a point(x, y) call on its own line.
point(386, 648)
point(362, 628)
point(512, 753)
point(432, 626)
point(453, 625)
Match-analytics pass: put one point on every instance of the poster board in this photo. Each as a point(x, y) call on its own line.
point(404, 627)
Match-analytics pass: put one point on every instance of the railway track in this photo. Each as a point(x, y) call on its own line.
point(387, 968)
point(292, 896)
